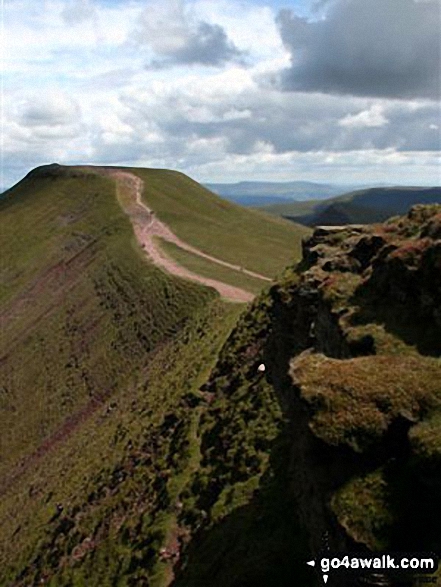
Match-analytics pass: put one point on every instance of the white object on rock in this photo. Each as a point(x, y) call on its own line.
point(261, 368)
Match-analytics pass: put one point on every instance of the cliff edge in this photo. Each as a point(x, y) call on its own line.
point(337, 445)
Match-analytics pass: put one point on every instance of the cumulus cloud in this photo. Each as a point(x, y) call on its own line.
point(383, 48)
point(366, 118)
point(49, 110)
point(41, 129)
point(72, 99)
point(233, 110)
point(178, 39)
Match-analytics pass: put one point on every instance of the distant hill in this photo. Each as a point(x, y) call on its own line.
point(255, 201)
point(261, 193)
point(358, 207)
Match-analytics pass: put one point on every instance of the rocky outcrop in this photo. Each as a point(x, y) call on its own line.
point(354, 358)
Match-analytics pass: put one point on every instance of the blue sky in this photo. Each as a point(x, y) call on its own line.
point(226, 90)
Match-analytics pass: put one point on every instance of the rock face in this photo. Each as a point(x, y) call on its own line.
point(353, 355)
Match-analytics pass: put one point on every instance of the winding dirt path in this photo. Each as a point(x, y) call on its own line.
point(146, 226)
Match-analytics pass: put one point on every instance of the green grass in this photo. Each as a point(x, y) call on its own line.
point(119, 476)
point(82, 307)
point(100, 350)
point(238, 501)
point(363, 507)
point(241, 236)
point(155, 427)
point(212, 270)
point(353, 402)
point(165, 442)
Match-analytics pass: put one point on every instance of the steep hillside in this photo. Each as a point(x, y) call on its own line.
point(200, 468)
point(87, 326)
point(80, 307)
point(351, 344)
point(206, 268)
point(358, 207)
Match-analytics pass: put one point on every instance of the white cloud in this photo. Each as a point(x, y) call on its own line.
point(178, 37)
point(77, 89)
point(251, 27)
point(374, 117)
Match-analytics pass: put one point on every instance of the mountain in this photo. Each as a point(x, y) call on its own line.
point(358, 207)
point(103, 352)
point(261, 193)
point(154, 433)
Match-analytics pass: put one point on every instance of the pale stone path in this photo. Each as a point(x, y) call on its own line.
point(147, 226)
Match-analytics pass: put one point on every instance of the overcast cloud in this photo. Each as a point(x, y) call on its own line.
point(336, 90)
point(379, 48)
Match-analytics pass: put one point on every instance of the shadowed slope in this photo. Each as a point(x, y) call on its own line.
point(358, 207)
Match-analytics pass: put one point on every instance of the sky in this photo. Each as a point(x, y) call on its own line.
point(343, 91)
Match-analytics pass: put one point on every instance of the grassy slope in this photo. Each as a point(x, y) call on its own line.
point(192, 446)
point(81, 307)
point(97, 346)
point(118, 478)
point(220, 228)
point(247, 531)
point(368, 404)
point(212, 270)
point(175, 461)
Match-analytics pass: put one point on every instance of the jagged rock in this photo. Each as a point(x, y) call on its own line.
point(366, 249)
point(367, 298)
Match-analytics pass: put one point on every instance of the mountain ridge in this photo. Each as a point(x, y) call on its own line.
point(198, 467)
